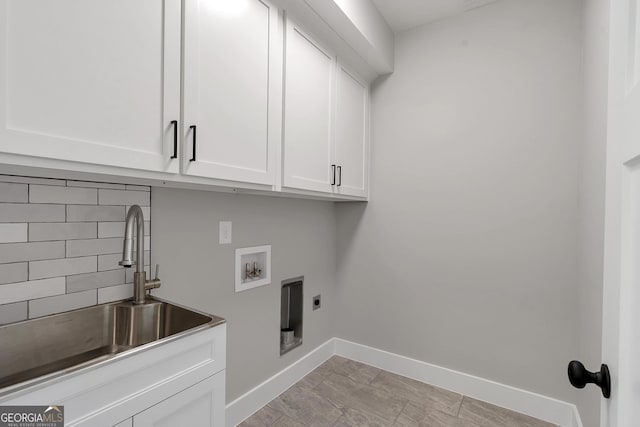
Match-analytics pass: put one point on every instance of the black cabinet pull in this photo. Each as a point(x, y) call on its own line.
point(333, 167)
point(175, 139)
point(580, 377)
point(193, 156)
point(339, 176)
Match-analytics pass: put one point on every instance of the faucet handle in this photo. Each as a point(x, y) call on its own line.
point(153, 283)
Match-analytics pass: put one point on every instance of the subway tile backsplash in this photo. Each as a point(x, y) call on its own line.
point(23, 212)
point(60, 243)
point(13, 233)
point(10, 192)
point(13, 273)
point(63, 195)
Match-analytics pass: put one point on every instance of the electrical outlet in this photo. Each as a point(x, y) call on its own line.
point(316, 302)
point(225, 232)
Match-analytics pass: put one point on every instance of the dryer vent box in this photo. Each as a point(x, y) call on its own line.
point(291, 313)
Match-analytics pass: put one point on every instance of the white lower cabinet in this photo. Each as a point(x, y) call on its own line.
point(201, 405)
point(176, 383)
point(126, 423)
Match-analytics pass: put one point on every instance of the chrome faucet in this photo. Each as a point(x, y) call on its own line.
point(140, 283)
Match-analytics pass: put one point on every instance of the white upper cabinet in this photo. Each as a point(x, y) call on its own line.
point(309, 73)
point(189, 92)
point(231, 130)
point(326, 120)
point(352, 133)
point(91, 81)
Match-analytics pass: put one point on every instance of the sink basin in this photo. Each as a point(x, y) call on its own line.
point(54, 345)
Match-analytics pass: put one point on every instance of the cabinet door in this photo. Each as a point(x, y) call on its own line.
point(93, 81)
point(352, 133)
point(201, 405)
point(309, 72)
point(230, 85)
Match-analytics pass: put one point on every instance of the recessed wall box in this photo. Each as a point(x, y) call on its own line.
point(253, 267)
point(291, 314)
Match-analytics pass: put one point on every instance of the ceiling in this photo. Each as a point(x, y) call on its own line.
point(404, 14)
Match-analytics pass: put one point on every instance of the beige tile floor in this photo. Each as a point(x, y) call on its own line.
point(344, 393)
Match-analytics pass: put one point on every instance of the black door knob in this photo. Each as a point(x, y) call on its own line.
point(580, 377)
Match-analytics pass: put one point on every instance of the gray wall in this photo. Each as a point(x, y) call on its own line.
point(198, 272)
point(466, 255)
point(592, 189)
point(60, 243)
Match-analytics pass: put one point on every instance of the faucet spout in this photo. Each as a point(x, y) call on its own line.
point(135, 218)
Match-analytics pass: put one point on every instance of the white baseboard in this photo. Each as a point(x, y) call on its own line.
point(545, 408)
point(249, 403)
point(577, 421)
point(542, 407)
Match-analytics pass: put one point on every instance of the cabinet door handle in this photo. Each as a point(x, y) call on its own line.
point(339, 176)
point(175, 139)
point(333, 167)
point(193, 155)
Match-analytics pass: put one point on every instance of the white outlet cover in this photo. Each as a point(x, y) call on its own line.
point(225, 232)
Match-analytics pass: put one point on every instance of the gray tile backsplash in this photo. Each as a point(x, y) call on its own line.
point(32, 289)
point(101, 279)
point(94, 246)
point(31, 251)
point(62, 267)
point(48, 231)
point(13, 273)
point(13, 233)
point(10, 192)
point(59, 303)
point(60, 243)
point(63, 195)
point(96, 213)
point(22, 212)
point(124, 197)
point(13, 312)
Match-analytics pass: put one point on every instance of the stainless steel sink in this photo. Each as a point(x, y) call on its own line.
point(39, 349)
